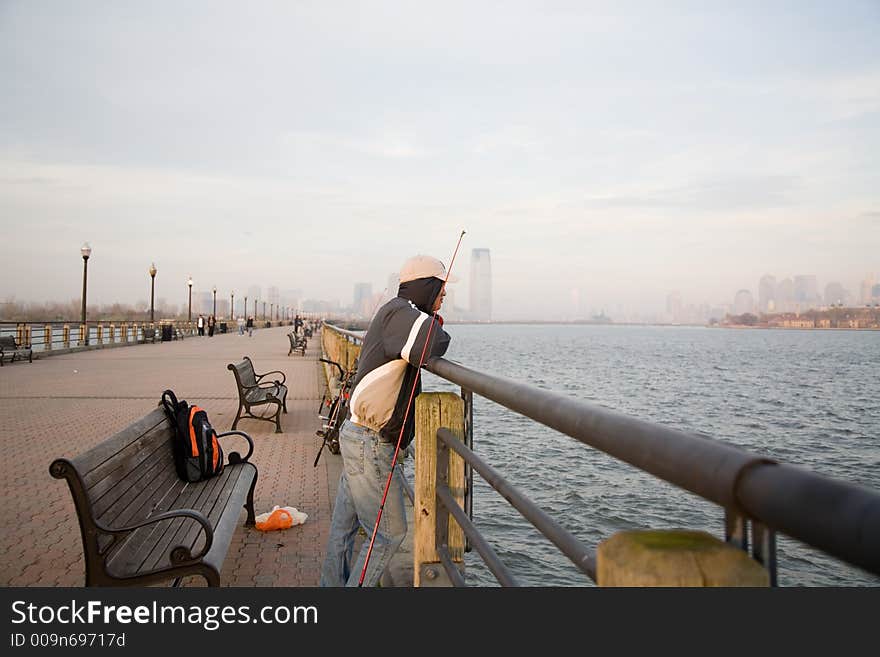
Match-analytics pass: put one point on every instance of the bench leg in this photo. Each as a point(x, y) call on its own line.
point(249, 505)
point(284, 402)
point(237, 417)
point(278, 420)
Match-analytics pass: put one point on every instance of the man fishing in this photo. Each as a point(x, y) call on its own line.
point(404, 333)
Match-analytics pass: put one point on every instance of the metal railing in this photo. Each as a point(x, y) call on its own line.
point(757, 494)
point(46, 338)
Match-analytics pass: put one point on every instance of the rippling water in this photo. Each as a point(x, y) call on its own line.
point(807, 398)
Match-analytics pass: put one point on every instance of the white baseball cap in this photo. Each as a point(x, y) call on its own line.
point(423, 266)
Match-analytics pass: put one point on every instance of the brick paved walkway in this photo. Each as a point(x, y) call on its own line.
point(62, 405)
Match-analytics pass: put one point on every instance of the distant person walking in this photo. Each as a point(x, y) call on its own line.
point(250, 326)
point(240, 322)
point(211, 323)
point(297, 324)
point(200, 323)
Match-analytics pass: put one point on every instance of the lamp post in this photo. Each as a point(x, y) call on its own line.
point(189, 314)
point(86, 251)
point(255, 310)
point(232, 304)
point(215, 302)
point(270, 309)
point(153, 271)
point(264, 310)
point(245, 307)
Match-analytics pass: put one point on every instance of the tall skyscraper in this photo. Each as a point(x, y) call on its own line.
point(363, 293)
point(393, 285)
point(767, 294)
point(481, 285)
point(806, 291)
point(743, 302)
point(785, 296)
point(865, 289)
point(835, 294)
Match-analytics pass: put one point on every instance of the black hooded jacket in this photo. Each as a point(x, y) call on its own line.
point(388, 364)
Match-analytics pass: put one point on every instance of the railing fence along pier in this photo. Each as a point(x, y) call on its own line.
point(53, 336)
point(760, 497)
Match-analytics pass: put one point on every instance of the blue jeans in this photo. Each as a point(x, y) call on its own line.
point(366, 464)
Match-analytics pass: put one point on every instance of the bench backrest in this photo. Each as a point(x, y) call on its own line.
point(244, 373)
point(122, 480)
point(7, 342)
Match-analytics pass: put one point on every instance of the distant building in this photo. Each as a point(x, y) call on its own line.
point(835, 295)
point(363, 294)
point(481, 285)
point(865, 290)
point(743, 302)
point(785, 296)
point(767, 293)
point(806, 293)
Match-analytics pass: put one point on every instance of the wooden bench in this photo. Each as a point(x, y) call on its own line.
point(10, 349)
point(253, 392)
point(297, 343)
point(140, 522)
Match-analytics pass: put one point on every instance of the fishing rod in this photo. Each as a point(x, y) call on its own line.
point(405, 416)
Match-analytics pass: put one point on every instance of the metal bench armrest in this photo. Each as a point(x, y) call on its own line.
point(176, 555)
point(283, 376)
point(235, 457)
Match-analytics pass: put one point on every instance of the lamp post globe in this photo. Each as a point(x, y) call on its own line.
point(153, 271)
point(86, 251)
point(189, 314)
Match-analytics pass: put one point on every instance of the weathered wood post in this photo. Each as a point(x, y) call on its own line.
point(47, 337)
point(82, 334)
point(65, 336)
point(100, 334)
point(112, 333)
point(27, 336)
point(674, 557)
point(434, 410)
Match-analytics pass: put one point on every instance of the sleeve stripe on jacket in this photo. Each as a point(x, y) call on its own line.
point(413, 334)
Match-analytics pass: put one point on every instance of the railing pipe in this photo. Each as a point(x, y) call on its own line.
point(568, 544)
point(450, 567)
point(490, 558)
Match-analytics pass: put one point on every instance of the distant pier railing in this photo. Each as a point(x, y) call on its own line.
point(760, 497)
point(53, 337)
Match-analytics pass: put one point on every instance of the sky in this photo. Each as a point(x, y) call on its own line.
point(620, 149)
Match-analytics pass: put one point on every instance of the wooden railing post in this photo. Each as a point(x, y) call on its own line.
point(675, 557)
point(434, 410)
point(27, 336)
point(47, 337)
point(65, 336)
point(100, 334)
point(83, 328)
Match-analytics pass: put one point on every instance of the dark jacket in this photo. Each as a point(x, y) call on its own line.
point(387, 367)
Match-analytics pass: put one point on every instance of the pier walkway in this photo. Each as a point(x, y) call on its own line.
point(62, 405)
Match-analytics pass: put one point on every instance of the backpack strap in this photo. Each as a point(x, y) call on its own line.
point(169, 401)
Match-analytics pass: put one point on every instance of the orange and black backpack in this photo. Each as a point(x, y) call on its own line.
point(197, 452)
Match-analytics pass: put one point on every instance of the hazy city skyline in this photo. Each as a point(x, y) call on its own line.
point(607, 155)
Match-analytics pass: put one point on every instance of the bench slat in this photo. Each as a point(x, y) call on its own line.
point(210, 504)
